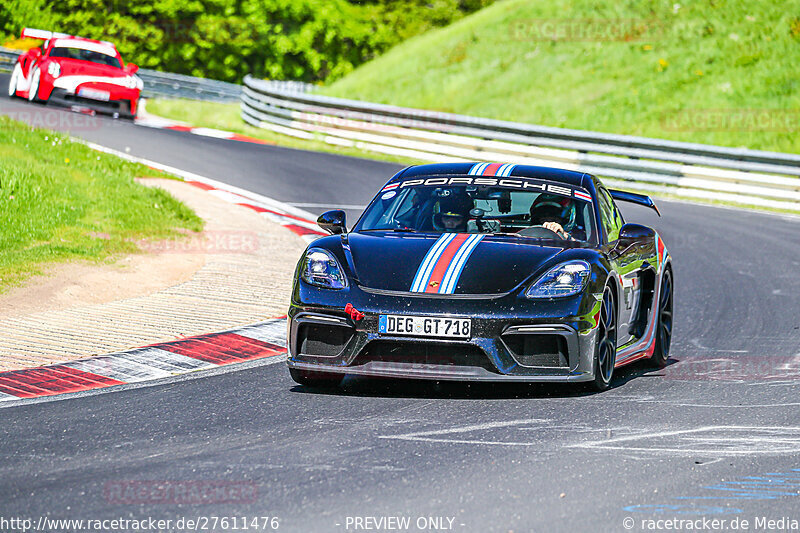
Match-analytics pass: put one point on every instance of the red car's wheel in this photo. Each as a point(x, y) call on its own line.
point(12, 83)
point(33, 93)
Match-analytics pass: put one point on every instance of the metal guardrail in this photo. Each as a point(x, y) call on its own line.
point(767, 179)
point(163, 84)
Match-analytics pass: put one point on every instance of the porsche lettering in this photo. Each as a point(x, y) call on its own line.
point(522, 184)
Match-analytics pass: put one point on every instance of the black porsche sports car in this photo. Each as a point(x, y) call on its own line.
point(482, 271)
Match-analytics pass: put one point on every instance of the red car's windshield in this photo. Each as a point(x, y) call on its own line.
point(85, 55)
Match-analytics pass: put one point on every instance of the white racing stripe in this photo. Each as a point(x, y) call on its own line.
point(429, 262)
point(453, 273)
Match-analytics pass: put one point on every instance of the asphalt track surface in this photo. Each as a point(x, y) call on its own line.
point(708, 437)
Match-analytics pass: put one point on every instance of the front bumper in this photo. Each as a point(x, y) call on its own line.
point(125, 104)
point(513, 339)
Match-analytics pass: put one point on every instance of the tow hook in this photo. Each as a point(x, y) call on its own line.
point(354, 313)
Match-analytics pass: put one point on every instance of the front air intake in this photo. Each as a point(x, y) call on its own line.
point(322, 340)
point(538, 350)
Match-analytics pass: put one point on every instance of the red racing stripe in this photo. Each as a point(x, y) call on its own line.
point(491, 169)
point(444, 261)
point(51, 380)
point(223, 348)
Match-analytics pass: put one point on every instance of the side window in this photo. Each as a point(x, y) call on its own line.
point(612, 220)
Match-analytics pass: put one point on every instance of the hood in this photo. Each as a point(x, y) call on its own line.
point(76, 67)
point(447, 264)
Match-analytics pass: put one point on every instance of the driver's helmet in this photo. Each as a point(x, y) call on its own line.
point(451, 212)
point(554, 208)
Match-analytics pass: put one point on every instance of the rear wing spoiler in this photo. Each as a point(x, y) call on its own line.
point(641, 199)
point(44, 35)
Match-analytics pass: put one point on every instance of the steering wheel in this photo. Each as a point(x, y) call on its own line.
point(540, 232)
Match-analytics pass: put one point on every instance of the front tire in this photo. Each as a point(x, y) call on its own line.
point(315, 379)
point(33, 93)
point(12, 83)
point(605, 351)
point(663, 322)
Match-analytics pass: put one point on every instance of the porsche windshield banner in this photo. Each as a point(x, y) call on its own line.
point(523, 184)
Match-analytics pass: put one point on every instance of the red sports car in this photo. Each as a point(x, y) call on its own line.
point(74, 71)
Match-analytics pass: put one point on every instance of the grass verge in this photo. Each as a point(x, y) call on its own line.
point(61, 201)
point(719, 72)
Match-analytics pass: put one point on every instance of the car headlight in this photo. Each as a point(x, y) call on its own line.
point(130, 82)
point(566, 279)
point(321, 268)
point(54, 69)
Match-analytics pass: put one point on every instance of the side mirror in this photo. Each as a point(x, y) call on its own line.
point(130, 68)
point(333, 222)
point(635, 232)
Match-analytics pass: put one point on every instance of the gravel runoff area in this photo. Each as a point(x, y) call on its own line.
point(238, 271)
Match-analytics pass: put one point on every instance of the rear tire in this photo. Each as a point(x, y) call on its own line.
point(315, 379)
point(605, 351)
point(663, 322)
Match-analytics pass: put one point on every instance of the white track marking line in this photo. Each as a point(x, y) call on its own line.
point(428, 436)
point(191, 176)
point(773, 441)
point(330, 206)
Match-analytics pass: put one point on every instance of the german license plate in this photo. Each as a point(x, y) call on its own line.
point(425, 326)
point(94, 94)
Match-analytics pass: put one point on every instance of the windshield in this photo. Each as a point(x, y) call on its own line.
point(465, 208)
point(85, 55)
